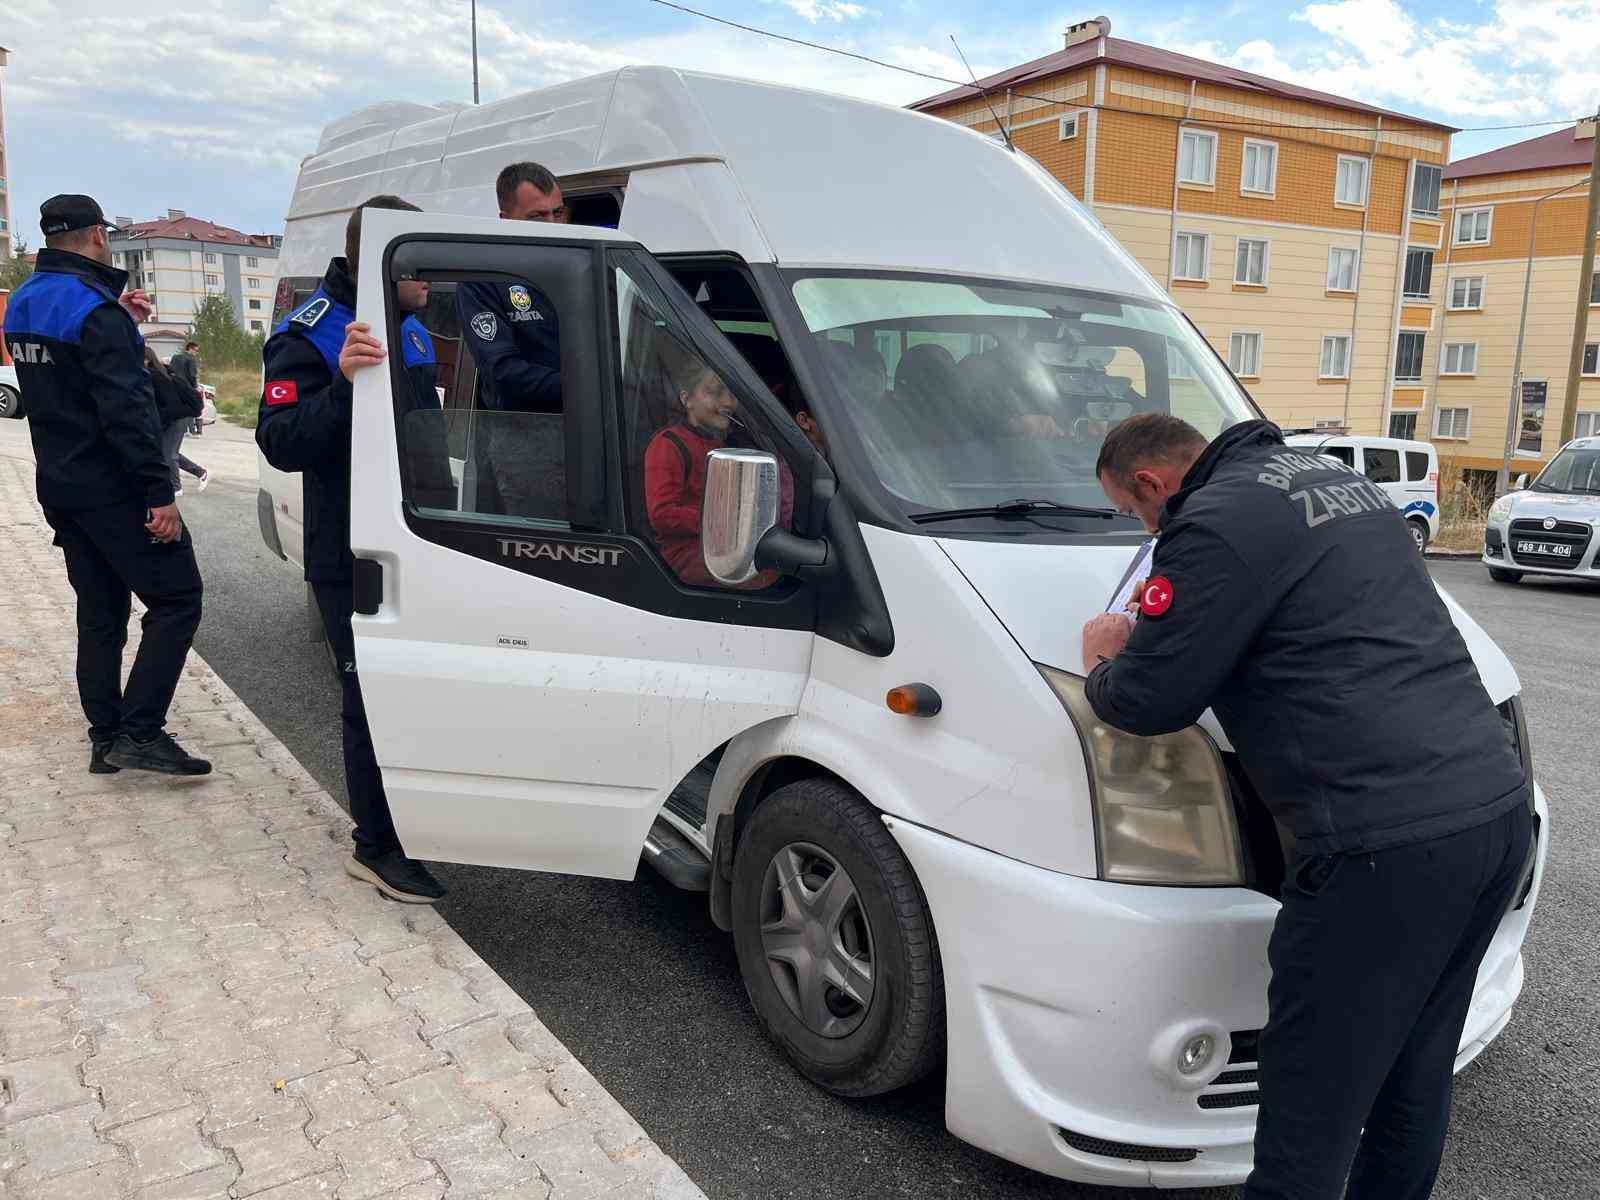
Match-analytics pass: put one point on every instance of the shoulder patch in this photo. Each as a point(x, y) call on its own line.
point(520, 300)
point(313, 312)
point(1156, 596)
point(485, 326)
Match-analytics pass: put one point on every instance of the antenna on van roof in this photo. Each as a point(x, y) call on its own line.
point(984, 92)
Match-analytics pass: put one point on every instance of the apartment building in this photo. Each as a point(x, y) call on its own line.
point(1516, 220)
point(1297, 229)
point(181, 260)
point(6, 230)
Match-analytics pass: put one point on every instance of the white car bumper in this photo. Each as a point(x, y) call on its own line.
point(1069, 999)
point(1500, 553)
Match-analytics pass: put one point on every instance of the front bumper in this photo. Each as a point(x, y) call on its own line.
point(1069, 999)
point(1498, 553)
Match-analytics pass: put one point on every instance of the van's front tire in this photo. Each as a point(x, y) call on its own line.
point(1419, 534)
point(823, 897)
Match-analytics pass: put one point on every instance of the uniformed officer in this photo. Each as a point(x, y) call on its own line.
point(105, 487)
point(304, 425)
point(513, 334)
point(1287, 596)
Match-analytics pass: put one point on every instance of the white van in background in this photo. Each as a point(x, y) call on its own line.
point(1407, 471)
point(856, 718)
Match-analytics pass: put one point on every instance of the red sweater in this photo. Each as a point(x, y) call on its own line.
point(673, 496)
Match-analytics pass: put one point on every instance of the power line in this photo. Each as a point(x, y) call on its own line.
point(974, 87)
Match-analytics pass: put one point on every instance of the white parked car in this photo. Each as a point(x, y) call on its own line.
point(10, 392)
point(874, 755)
point(1406, 470)
point(208, 405)
point(1552, 526)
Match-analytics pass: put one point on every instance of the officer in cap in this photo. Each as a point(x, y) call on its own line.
point(105, 486)
point(304, 425)
point(1286, 595)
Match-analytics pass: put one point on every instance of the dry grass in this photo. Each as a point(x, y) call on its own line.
point(238, 394)
point(1462, 512)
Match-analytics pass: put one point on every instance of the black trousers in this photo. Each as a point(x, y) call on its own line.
point(369, 807)
point(110, 559)
point(1373, 960)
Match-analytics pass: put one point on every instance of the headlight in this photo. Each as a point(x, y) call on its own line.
point(1162, 809)
point(1500, 510)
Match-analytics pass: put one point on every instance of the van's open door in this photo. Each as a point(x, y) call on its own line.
point(537, 675)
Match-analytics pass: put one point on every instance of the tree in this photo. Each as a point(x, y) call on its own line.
point(15, 270)
point(222, 342)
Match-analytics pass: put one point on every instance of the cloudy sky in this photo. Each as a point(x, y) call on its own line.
point(210, 107)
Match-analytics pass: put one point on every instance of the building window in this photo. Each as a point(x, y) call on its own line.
point(1350, 185)
point(252, 262)
point(1408, 357)
point(1425, 190)
point(1191, 255)
point(1419, 274)
point(116, 259)
point(1403, 425)
point(1341, 269)
point(1259, 172)
point(1335, 357)
point(1197, 157)
point(1587, 425)
point(1591, 358)
point(255, 326)
point(1460, 358)
point(252, 283)
point(1244, 355)
point(1453, 423)
point(1177, 364)
point(255, 305)
point(1472, 226)
point(1594, 288)
point(1067, 127)
point(213, 281)
point(1250, 263)
point(1466, 292)
point(211, 260)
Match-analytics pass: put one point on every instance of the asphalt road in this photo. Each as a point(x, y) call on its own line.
point(644, 989)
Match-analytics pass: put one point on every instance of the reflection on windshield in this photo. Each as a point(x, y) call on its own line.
point(971, 395)
point(1573, 470)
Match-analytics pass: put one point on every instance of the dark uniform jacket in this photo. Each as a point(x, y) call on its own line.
point(303, 423)
point(91, 406)
point(176, 398)
point(512, 334)
point(1297, 607)
point(183, 366)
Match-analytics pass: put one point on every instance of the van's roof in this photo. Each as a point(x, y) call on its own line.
point(1357, 439)
point(816, 179)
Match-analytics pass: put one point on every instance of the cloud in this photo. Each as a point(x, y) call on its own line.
point(825, 10)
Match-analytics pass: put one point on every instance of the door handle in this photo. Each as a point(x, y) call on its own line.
point(366, 586)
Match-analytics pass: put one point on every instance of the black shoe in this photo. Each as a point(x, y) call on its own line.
point(396, 876)
point(160, 753)
point(97, 758)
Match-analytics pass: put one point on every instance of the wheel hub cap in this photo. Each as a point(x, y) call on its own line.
point(818, 944)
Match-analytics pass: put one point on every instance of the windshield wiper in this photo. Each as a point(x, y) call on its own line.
point(1014, 508)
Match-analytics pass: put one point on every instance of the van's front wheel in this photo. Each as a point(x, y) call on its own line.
point(835, 941)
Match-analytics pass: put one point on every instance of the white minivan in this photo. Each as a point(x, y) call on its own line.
point(1406, 470)
point(838, 687)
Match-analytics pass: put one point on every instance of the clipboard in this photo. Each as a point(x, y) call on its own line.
point(1131, 578)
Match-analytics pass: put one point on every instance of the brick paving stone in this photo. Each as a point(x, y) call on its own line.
point(133, 1091)
point(482, 1052)
point(166, 1147)
point(42, 1085)
point(523, 1104)
point(240, 1094)
point(60, 1142)
point(31, 1032)
point(443, 1007)
point(436, 1102)
point(102, 993)
point(339, 1099)
point(393, 1052)
point(318, 1187)
point(210, 1184)
point(376, 1159)
point(106, 1180)
point(573, 1162)
point(273, 1152)
point(296, 1050)
point(476, 1162)
point(29, 984)
point(210, 1041)
point(413, 969)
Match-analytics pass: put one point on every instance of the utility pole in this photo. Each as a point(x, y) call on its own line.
point(474, 51)
point(1580, 323)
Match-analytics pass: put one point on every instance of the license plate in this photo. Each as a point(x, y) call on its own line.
point(1548, 549)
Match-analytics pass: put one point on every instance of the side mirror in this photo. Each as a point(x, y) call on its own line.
point(1521, 483)
point(741, 505)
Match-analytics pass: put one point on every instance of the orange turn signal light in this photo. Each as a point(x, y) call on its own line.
point(914, 700)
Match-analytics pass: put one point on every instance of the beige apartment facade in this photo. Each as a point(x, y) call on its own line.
point(1296, 229)
point(180, 260)
point(1515, 219)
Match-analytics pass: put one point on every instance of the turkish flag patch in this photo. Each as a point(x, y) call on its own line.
point(281, 391)
point(1156, 596)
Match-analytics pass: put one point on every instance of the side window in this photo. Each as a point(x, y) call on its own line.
point(1416, 466)
point(1382, 466)
point(677, 408)
point(479, 399)
point(1345, 454)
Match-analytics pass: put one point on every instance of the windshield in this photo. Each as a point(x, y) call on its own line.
point(971, 394)
point(1575, 469)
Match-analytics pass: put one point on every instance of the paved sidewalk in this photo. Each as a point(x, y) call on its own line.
point(196, 1002)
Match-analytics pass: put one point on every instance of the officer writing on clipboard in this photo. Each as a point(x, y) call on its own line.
point(1286, 595)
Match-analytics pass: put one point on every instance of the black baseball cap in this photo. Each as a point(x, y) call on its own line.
point(63, 214)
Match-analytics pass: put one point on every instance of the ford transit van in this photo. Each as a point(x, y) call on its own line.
point(831, 680)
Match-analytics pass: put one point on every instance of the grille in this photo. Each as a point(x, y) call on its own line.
point(1091, 1145)
point(1492, 542)
point(1250, 1076)
point(1229, 1099)
point(1242, 1057)
point(1568, 533)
